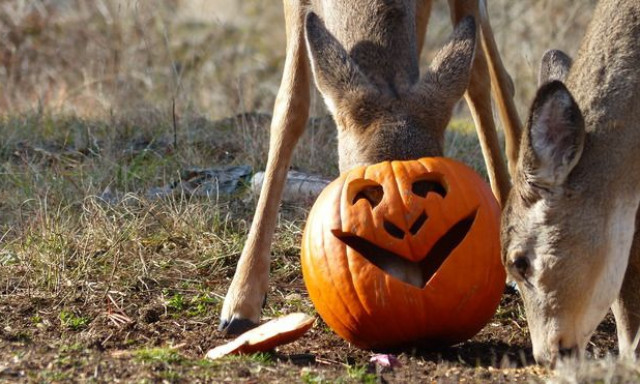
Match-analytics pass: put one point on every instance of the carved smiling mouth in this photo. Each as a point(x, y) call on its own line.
point(416, 273)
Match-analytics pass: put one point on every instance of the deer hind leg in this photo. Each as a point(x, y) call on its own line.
point(626, 308)
point(487, 68)
point(247, 292)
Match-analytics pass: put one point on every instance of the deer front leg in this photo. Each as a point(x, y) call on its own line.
point(626, 308)
point(478, 97)
point(246, 295)
point(503, 89)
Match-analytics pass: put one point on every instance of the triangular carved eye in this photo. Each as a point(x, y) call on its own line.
point(372, 193)
point(432, 184)
point(415, 227)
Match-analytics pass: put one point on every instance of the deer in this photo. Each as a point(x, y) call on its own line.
point(569, 228)
point(363, 56)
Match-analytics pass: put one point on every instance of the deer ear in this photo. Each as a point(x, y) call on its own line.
point(334, 70)
point(554, 139)
point(450, 70)
point(555, 65)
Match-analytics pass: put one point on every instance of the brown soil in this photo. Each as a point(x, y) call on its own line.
point(36, 346)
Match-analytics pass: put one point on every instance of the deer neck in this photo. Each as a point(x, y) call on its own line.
point(605, 82)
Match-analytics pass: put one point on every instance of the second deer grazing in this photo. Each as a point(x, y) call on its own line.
point(569, 227)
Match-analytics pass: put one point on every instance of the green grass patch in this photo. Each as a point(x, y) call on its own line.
point(176, 302)
point(72, 321)
point(159, 355)
point(360, 374)
point(197, 306)
point(201, 305)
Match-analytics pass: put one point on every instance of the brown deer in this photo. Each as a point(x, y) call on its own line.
point(569, 226)
point(364, 55)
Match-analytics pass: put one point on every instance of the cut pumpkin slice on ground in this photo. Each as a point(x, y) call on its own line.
point(267, 336)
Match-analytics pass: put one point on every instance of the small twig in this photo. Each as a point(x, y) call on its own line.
point(321, 360)
point(104, 342)
point(119, 320)
point(175, 123)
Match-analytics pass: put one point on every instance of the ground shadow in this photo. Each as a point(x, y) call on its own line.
point(481, 354)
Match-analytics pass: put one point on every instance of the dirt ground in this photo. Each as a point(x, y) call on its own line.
point(151, 342)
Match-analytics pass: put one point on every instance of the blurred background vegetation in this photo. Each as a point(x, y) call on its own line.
point(122, 95)
point(214, 58)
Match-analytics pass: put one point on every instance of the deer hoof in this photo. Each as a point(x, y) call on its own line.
point(236, 326)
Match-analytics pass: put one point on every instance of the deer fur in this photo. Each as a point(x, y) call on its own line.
point(363, 56)
point(569, 226)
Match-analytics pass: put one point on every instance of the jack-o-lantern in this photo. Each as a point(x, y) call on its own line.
point(404, 253)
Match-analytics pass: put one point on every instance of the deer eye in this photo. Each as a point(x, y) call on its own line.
point(520, 267)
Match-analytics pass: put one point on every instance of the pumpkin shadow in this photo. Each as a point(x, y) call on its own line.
point(480, 354)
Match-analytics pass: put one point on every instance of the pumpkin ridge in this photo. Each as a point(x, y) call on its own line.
point(429, 169)
point(400, 320)
point(399, 189)
point(348, 325)
point(362, 296)
point(424, 322)
point(373, 172)
point(362, 321)
point(407, 224)
point(425, 170)
point(348, 272)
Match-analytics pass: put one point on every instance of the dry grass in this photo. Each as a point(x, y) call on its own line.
point(105, 57)
point(100, 57)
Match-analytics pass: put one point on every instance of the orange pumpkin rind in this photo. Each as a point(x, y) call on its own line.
point(373, 309)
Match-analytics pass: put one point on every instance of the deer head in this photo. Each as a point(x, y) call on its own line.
point(382, 115)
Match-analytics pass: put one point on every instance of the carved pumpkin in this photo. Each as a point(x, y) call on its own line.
point(404, 253)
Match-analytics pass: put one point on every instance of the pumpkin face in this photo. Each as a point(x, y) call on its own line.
point(404, 253)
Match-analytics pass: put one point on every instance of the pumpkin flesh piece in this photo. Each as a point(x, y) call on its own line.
point(267, 336)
